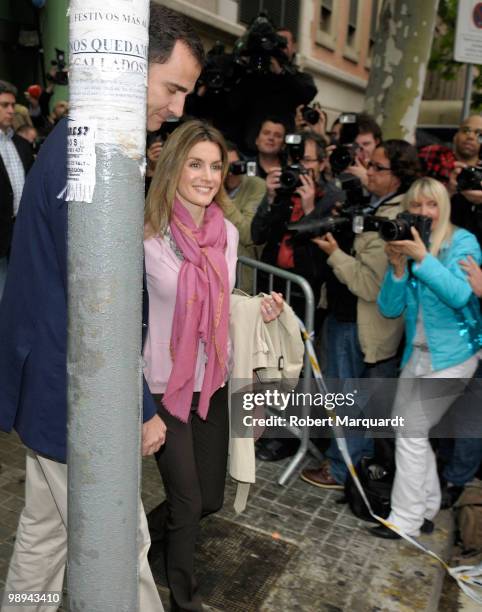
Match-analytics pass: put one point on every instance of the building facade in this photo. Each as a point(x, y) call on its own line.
point(334, 41)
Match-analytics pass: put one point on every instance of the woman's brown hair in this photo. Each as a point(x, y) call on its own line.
point(174, 153)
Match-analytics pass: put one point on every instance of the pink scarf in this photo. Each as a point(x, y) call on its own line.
point(202, 309)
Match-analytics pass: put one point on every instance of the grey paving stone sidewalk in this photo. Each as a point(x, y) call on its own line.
point(336, 566)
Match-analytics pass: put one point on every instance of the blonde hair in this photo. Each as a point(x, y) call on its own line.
point(165, 181)
point(436, 191)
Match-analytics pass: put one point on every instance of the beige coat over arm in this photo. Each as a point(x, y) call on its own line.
point(277, 350)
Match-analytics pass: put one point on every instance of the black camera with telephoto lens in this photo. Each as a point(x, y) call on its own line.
point(261, 42)
point(470, 178)
point(352, 218)
point(357, 221)
point(311, 228)
point(221, 73)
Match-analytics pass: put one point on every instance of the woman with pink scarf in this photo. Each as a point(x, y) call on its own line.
point(190, 255)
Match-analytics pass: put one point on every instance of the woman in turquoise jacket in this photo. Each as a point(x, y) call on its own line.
point(443, 333)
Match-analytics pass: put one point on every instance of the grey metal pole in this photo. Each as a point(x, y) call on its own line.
point(469, 78)
point(108, 72)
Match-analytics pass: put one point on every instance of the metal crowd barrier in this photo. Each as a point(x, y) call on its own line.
point(303, 434)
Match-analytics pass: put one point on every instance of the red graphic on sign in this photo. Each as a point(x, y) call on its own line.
point(477, 15)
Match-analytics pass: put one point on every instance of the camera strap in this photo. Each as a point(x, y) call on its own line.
point(373, 207)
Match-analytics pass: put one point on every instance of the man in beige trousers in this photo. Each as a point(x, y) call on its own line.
point(33, 339)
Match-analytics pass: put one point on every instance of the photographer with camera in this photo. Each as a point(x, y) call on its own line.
point(293, 193)
point(426, 285)
point(359, 136)
point(269, 145)
point(39, 98)
point(358, 341)
point(272, 83)
point(245, 192)
point(465, 183)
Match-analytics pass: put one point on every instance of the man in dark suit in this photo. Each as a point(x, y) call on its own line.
point(33, 330)
point(16, 157)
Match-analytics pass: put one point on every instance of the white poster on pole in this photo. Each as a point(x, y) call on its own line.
point(468, 34)
point(108, 79)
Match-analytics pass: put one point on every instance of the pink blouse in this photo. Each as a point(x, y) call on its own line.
point(162, 270)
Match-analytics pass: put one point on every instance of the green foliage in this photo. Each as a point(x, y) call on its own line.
point(442, 56)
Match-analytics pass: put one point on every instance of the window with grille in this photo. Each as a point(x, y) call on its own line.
point(283, 13)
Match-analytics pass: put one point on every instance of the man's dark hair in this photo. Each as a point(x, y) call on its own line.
point(283, 28)
point(368, 125)
point(404, 161)
point(8, 88)
point(231, 146)
point(272, 119)
point(165, 28)
point(319, 143)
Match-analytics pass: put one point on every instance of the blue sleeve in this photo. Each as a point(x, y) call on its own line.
point(149, 405)
point(446, 278)
point(392, 298)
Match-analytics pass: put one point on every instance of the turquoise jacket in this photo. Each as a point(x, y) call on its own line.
point(450, 311)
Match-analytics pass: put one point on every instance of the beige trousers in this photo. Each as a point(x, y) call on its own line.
point(40, 552)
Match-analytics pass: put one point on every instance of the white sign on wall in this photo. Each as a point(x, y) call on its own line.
point(468, 35)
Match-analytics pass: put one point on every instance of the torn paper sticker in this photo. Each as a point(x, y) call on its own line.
point(81, 162)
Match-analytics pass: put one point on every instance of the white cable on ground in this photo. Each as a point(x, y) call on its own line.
point(468, 577)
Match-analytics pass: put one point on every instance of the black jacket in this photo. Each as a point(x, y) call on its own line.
point(467, 215)
point(262, 95)
point(33, 311)
point(6, 193)
point(269, 227)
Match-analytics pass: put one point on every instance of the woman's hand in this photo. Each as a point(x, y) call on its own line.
point(326, 243)
point(474, 274)
point(153, 435)
point(415, 249)
point(272, 306)
point(397, 259)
